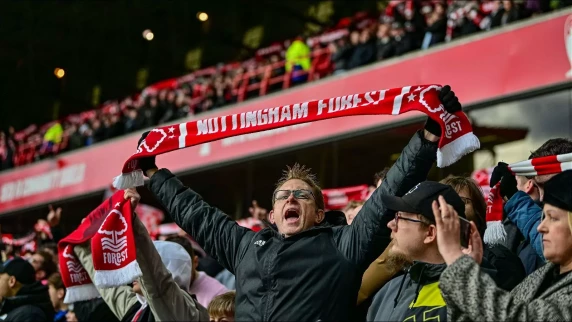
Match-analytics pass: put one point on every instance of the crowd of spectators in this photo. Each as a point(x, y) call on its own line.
point(398, 253)
point(356, 41)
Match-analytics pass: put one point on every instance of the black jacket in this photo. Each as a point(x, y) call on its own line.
point(363, 54)
point(503, 266)
point(32, 303)
point(314, 275)
point(517, 244)
point(93, 310)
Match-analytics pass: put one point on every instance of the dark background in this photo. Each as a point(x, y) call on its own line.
point(100, 43)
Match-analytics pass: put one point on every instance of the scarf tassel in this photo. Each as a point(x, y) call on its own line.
point(121, 276)
point(129, 180)
point(495, 234)
point(80, 293)
point(451, 152)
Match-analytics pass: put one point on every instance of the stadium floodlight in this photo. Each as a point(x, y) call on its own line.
point(59, 72)
point(202, 16)
point(148, 34)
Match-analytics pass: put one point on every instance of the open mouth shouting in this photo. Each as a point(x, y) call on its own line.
point(292, 216)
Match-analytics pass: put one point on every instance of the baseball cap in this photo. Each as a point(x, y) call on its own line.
point(558, 191)
point(18, 267)
point(419, 200)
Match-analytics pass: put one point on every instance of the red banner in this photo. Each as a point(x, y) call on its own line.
point(509, 62)
point(336, 199)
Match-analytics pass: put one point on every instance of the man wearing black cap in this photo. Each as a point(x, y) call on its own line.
point(23, 299)
point(415, 295)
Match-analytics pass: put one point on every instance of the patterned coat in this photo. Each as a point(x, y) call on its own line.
point(473, 296)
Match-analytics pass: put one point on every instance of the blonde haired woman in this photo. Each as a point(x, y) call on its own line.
point(545, 295)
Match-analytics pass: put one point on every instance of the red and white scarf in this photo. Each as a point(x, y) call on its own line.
point(8, 239)
point(495, 233)
point(456, 141)
point(109, 230)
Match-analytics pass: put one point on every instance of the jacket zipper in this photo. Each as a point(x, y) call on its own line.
point(270, 283)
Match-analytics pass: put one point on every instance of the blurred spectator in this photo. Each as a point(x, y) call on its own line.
point(220, 92)
point(378, 177)
point(76, 140)
point(385, 47)
point(182, 109)
point(53, 137)
point(114, 128)
point(341, 52)
point(402, 41)
point(98, 131)
point(23, 299)
point(352, 209)
point(504, 13)
point(221, 309)
point(162, 107)
point(132, 121)
point(321, 61)
point(44, 264)
point(436, 26)
point(168, 107)
point(298, 59)
point(204, 287)
point(7, 149)
point(149, 111)
point(57, 293)
point(364, 52)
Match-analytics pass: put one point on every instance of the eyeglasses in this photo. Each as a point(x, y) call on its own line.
point(302, 194)
point(398, 216)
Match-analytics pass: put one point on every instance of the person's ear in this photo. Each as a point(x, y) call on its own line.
point(12, 281)
point(529, 187)
point(320, 215)
point(431, 234)
point(271, 216)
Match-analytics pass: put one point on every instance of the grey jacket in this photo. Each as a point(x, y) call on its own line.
point(167, 301)
point(473, 296)
point(414, 296)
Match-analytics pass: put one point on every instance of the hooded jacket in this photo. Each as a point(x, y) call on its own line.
point(415, 296)
point(313, 275)
point(166, 268)
point(31, 303)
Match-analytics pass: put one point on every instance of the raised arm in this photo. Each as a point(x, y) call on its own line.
point(119, 299)
point(167, 300)
point(368, 235)
point(219, 235)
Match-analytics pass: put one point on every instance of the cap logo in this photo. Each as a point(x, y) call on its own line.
point(413, 189)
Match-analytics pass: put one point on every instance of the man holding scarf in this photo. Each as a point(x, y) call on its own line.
point(301, 268)
point(520, 208)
